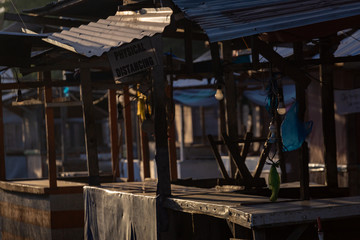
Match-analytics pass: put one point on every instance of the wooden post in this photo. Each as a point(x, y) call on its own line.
point(171, 129)
point(128, 135)
point(304, 150)
point(50, 133)
point(145, 153)
point(161, 138)
point(63, 116)
point(172, 152)
point(230, 97)
point(42, 129)
point(114, 135)
point(202, 124)
point(216, 63)
point(89, 126)
point(182, 133)
point(2, 143)
point(328, 113)
point(352, 134)
point(222, 128)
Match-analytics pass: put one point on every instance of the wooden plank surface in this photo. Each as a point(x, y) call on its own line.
point(249, 211)
point(41, 186)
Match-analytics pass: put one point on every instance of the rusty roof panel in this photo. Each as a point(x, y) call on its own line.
point(228, 19)
point(98, 37)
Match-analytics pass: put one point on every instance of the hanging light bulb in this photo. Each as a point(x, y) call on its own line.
point(219, 94)
point(281, 109)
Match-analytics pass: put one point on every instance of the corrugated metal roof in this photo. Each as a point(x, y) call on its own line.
point(98, 37)
point(229, 19)
point(350, 46)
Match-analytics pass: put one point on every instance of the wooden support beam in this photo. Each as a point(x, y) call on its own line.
point(328, 112)
point(188, 47)
point(282, 64)
point(89, 126)
point(37, 84)
point(304, 150)
point(42, 128)
point(2, 143)
point(171, 128)
point(145, 153)
point(161, 138)
point(230, 97)
point(218, 159)
point(103, 85)
point(263, 156)
point(43, 20)
point(233, 148)
point(50, 133)
point(172, 151)
point(128, 135)
point(255, 53)
point(114, 132)
point(218, 72)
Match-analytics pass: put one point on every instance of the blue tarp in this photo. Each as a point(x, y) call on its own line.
point(196, 97)
point(294, 131)
point(260, 96)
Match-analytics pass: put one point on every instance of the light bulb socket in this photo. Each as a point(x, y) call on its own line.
point(19, 97)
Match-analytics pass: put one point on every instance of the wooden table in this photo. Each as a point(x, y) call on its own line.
point(255, 213)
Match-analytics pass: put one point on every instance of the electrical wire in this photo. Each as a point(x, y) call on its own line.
point(18, 14)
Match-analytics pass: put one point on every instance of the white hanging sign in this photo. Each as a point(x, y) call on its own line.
point(132, 58)
point(347, 101)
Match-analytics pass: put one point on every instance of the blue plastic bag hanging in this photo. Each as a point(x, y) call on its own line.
point(294, 131)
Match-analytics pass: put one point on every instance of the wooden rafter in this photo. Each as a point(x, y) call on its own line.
point(282, 64)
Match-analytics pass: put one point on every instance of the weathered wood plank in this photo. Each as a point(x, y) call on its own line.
point(89, 126)
point(230, 99)
point(2, 143)
point(50, 133)
point(161, 141)
point(219, 161)
point(128, 134)
point(282, 64)
point(114, 135)
point(263, 156)
point(304, 151)
point(188, 46)
point(145, 154)
point(328, 112)
point(172, 152)
point(235, 153)
point(245, 148)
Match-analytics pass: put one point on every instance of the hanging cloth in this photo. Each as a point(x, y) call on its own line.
point(294, 131)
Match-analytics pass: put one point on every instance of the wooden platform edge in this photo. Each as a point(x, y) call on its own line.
point(38, 190)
